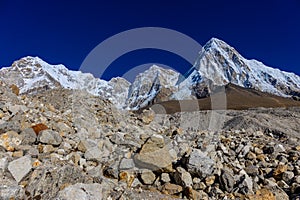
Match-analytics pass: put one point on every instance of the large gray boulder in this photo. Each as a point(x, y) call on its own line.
point(200, 163)
point(81, 191)
point(45, 182)
point(154, 155)
point(50, 137)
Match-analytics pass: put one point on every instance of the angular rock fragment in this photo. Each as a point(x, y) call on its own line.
point(20, 167)
point(81, 191)
point(200, 164)
point(154, 155)
point(148, 177)
point(227, 181)
point(49, 137)
point(29, 136)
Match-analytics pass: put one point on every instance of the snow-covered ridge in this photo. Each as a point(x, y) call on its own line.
point(154, 83)
point(32, 74)
point(217, 64)
point(222, 64)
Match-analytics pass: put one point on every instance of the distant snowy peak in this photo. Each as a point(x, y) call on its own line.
point(29, 75)
point(155, 84)
point(222, 64)
point(32, 74)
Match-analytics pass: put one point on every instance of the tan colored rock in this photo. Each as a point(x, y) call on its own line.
point(148, 177)
point(165, 177)
point(36, 163)
point(15, 89)
point(10, 140)
point(48, 149)
point(251, 156)
point(182, 177)
point(262, 194)
point(147, 116)
point(196, 195)
point(261, 157)
point(40, 148)
point(1, 114)
point(51, 107)
point(153, 143)
point(154, 155)
point(75, 157)
point(171, 189)
point(126, 177)
point(84, 145)
point(18, 154)
point(210, 180)
point(279, 170)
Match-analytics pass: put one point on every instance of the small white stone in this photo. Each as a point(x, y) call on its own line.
point(3, 163)
point(20, 168)
point(61, 151)
point(165, 177)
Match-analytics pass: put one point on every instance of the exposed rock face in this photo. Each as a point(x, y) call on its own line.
point(154, 85)
point(88, 149)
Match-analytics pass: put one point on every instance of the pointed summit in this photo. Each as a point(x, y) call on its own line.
point(215, 43)
point(215, 40)
point(221, 64)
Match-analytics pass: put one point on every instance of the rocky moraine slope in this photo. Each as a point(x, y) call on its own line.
point(63, 144)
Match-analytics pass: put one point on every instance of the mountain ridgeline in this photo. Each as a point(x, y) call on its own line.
point(218, 65)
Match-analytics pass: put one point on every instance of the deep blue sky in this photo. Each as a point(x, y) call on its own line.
point(66, 31)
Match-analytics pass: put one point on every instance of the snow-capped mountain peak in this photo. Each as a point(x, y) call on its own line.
point(32, 74)
point(214, 43)
point(222, 64)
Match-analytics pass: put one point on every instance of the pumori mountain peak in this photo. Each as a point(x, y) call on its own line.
point(222, 64)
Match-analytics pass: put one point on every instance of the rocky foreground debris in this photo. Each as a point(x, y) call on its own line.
point(71, 145)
